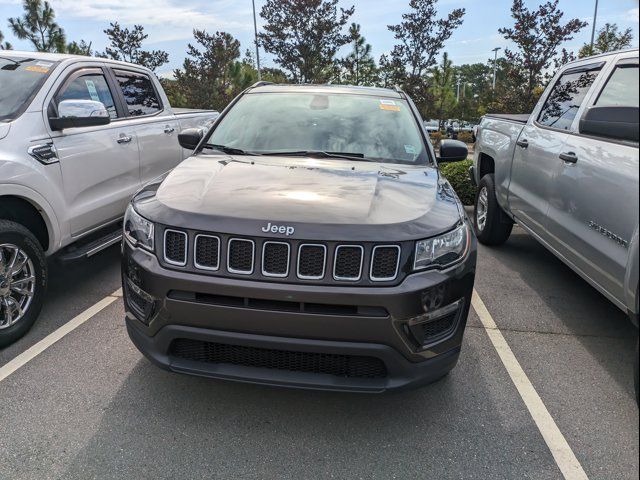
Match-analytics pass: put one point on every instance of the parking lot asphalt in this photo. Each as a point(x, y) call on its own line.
point(91, 406)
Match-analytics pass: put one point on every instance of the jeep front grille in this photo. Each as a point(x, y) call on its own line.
point(284, 260)
point(175, 247)
point(348, 262)
point(241, 256)
point(207, 252)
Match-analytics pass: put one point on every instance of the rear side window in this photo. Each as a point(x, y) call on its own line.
point(90, 87)
point(621, 88)
point(565, 99)
point(139, 94)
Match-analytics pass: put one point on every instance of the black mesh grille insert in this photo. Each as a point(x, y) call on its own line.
point(275, 259)
point(175, 247)
point(348, 262)
point(240, 255)
point(385, 262)
point(311, 261)
point(437, 329)
point(346, 366)
point(207, 252)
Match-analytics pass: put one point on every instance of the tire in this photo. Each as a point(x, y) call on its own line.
point(20, 298)
point(492, 225)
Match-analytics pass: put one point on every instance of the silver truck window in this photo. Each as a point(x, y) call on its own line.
point(621, 88)
point(372, 127)
point(90, 87)
point(139, 94)
point(20, 79)
point(565, 99)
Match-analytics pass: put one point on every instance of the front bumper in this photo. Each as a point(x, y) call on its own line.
point(255, 318)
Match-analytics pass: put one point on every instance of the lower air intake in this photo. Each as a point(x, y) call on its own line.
point(345, 366)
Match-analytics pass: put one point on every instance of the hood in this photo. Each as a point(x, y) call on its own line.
point(4, 129)
point(321, 199)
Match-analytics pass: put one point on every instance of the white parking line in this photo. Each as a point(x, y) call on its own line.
point(560, 449)
point(53, 337)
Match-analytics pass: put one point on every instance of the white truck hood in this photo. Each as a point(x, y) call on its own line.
point(4, 129)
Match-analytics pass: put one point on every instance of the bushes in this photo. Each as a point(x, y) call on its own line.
point(458, 175)
point(466, 137)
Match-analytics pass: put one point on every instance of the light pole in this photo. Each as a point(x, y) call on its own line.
point(593, 27)
point(495, 65)
point(255, 30)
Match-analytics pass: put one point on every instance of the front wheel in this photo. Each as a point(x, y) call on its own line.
point(23, 281)
point(492, 225)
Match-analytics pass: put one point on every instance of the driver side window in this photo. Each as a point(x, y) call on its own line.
point(90, 87)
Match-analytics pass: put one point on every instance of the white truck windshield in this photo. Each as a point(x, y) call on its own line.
point(20, 78)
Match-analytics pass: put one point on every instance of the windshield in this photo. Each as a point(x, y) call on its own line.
point(369, 127)
point(20, 78)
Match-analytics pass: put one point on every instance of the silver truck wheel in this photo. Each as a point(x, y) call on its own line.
point(23, 281)
point(17, 284)
point(492, 225)
point(481, 210)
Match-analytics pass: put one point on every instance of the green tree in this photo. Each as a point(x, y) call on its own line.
point(38, 25)
point(126, 45)
point(304, 36)
point(358, 67)
point(421, 36)
point(609, 39)
point(442, 87)
point(475, 90)
point(81, 48)
point(537, 35)
point(208, 74)
point(4, 45)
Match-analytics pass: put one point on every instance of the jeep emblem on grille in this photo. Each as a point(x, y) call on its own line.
point(281, 229)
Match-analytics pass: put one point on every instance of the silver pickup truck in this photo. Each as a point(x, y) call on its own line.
point(568, 174)
point(78, 137)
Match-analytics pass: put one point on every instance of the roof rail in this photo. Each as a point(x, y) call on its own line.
point(261, 83)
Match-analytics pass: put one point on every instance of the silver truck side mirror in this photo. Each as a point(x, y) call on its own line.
point(80, 113)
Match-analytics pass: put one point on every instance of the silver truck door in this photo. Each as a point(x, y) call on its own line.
point(156, 128)
point(536, 154)
point(594, 200)
point(100, 165)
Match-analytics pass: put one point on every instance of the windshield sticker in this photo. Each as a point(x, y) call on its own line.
point(93, 92)
point(44, 64)
point(387, 102)
point(410, 149)
point(390, 108)
point(35, 68)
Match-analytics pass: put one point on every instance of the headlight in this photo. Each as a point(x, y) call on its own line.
point(138, 230)
point(443, 250)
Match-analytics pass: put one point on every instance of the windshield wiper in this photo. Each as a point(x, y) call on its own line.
point(358, 157)
point(228, 150)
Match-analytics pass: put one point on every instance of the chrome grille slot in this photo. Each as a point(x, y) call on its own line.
point(275, 259)
point(384, 263)
point(207, 252)
point(311, 261)
point(240, 256)
point(175, 247)
point(348, 263)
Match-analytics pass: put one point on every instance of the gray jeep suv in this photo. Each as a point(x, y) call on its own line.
point(309, 242)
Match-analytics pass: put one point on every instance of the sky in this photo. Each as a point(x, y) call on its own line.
point(170, 23)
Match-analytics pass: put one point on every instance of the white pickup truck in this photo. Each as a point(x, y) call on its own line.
point(568, 174)
point(78, 137)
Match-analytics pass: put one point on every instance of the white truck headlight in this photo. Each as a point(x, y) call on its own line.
point(138, 230)
point(442, 250)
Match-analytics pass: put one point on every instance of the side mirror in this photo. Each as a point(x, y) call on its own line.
point(79, 113)
point(190, 138)
point(620, 123)
point(452, 151)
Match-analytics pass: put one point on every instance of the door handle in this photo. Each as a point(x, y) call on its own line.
point(569, 157)
point(523, 143)
point(124, 139)
point(169, 130)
